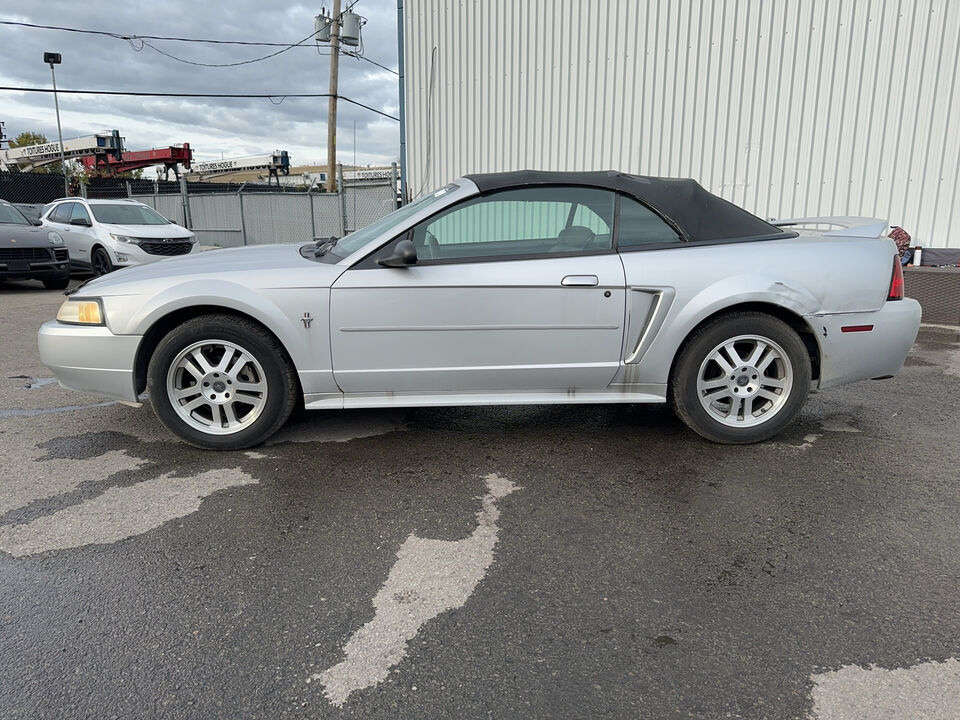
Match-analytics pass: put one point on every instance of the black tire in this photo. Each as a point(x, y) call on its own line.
point(277, 370)
point(697, 360)
point(56, 283)
point(100, 262)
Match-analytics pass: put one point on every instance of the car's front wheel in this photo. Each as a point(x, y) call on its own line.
point(100, 262)
point(741, 379)
point(221, 382)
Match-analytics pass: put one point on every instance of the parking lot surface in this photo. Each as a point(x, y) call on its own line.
point(535, 562)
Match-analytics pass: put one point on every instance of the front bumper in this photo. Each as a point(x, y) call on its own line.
point(34, 269)
point(90, 359)
point(860, 355)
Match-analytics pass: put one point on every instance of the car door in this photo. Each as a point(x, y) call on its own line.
point(82, 236)
point(59, 220)
point(519, 290)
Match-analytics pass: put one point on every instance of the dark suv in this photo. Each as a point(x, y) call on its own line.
point(30, 252)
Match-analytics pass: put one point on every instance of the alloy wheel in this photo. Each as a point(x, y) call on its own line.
point(744, 381)
point(217, 387)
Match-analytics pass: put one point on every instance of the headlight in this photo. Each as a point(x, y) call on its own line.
point(126, 239)
point(81, 311)
point(55, 238)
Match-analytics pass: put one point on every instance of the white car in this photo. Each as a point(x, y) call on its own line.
point(102, 235)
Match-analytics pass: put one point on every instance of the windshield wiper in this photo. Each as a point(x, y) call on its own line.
point(324, 245)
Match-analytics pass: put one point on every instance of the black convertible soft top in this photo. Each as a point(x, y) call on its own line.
point(697, 214)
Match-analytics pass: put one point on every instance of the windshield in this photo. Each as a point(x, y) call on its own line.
point(9, 215)
point(356, 240)
point(123, 214)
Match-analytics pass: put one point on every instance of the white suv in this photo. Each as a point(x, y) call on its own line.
point(102, 235)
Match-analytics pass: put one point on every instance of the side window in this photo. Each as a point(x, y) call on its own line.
point(61, 213)
point(527, 222)
point(639, 226)
point(79, 213)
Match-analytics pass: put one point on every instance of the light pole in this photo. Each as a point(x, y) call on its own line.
point(54, 59)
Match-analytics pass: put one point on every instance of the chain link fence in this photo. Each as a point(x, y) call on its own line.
point(226, 214)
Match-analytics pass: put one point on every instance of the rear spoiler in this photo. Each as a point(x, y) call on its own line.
point(864, 227)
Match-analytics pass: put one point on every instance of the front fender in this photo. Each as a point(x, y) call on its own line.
point(307, 346)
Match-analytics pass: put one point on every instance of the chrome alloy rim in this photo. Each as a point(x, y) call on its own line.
point(217, 387)
point(744, 381)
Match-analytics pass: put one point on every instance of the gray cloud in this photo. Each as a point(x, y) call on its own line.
point(212, 126)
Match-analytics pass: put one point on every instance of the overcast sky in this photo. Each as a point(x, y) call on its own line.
point(233, 127)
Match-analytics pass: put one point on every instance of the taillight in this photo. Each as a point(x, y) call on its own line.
point(896, 282)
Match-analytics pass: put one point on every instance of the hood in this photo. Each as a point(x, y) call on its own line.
point(24, 236)
point(258, 266)
point(148, 231)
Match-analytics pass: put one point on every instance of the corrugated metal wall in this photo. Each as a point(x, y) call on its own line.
point(786, 107)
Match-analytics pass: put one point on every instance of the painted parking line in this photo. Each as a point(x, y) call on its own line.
point(118, 513)
point(429, 577)
point(927, 691)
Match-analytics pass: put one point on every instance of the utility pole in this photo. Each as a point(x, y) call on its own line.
point(332, 100)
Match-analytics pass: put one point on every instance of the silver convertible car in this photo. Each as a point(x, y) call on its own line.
point(510, 288)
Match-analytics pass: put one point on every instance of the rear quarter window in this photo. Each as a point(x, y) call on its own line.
point(640, 226)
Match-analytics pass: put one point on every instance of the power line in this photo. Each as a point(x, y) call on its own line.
point(214, 65)
point(134, 93)
point(131, 38)
point(122, 36)
point(372, 62)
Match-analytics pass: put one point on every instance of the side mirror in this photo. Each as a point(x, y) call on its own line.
point(36, 221)
point(404, 254)
point(80, 221)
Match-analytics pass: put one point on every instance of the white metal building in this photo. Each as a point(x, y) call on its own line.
point(786, 107)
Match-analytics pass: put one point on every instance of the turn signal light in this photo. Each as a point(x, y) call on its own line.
point(896, 282)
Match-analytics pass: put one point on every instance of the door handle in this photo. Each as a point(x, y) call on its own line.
point(580, 281)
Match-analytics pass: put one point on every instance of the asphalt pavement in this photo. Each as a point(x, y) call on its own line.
point(532, 562)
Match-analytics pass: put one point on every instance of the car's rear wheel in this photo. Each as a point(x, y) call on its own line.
point(100, 262)
point(741, 379)
point(221, 382)
point(56, 283)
